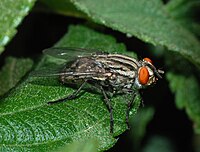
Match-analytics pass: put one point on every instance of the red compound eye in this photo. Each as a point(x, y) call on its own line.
point(143, 75)
point(148, 60)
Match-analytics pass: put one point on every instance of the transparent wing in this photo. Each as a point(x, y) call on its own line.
point(55, 73)
point(46, 73)
point(59, 71)
point(52, 70)
point(69, 53)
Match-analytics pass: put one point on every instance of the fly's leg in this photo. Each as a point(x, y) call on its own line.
point(110, 108)
point(70, 97)
point(129, 106)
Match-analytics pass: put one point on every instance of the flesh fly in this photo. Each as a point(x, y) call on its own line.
point(109, 73)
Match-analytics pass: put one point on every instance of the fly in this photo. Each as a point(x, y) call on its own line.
point(109, 73)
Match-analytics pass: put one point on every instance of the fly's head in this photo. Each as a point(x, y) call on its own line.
point(147, 74)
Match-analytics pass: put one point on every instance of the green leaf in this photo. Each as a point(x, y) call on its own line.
point(185, 12)
point(187, 96)
point(86, 146)
point(11, 14)
point(147, 20)
point(159, 143)
point(64, 7)
point(139, 124)
point(28, 123)
point(12, 72)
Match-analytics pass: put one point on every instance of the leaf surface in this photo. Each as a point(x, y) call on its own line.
point(147, 20)
point(187, 96)
point(12, 72)
point(12, 13)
